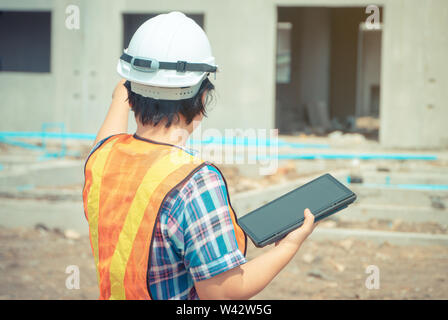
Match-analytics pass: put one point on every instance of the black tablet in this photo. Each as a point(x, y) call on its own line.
point(324, 196)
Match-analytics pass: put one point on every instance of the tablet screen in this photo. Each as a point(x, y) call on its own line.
point(287, 210)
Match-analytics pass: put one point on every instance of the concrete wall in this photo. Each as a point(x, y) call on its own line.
point(414, 75)
point(78, 89)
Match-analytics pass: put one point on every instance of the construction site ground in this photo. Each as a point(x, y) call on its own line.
point(33, 265)
point(399, 224)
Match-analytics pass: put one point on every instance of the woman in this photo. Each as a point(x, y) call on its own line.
point(160, 219)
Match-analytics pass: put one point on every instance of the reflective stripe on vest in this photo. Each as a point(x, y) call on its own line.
point(126, 182)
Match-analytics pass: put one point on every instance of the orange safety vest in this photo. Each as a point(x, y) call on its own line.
point(126, 181)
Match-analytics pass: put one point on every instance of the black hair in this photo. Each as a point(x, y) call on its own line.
point(150, 111)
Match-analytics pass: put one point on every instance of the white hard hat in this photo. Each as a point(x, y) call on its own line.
point(168, 58)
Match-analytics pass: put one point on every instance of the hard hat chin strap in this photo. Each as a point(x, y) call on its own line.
point(152, 65)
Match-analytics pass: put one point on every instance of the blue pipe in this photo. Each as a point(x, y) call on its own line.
point(406, 186)
point(362, 156)
point(51, 135)
point(209, 140)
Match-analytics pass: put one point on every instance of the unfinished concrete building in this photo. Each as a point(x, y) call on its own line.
point(295, 65)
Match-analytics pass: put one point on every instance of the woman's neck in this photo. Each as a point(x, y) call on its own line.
point(176, 135)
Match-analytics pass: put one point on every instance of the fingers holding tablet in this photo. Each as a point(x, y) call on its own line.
point(296, 237)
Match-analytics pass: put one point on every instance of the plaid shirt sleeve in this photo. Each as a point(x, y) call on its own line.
point(209, 244)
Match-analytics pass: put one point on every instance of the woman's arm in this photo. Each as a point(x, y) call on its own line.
point(247, 280)
point(117, 117)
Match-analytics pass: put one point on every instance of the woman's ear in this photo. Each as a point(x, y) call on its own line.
point(204, 97)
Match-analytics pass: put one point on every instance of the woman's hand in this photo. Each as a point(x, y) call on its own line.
point(248, 279)
point(120, 93)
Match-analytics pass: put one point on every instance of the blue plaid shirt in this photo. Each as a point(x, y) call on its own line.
point(194, 238)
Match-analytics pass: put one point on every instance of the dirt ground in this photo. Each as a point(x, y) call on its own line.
point(33, 265)
point(34, 261)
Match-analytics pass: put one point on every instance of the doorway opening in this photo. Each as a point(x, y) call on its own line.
point(328, 71)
